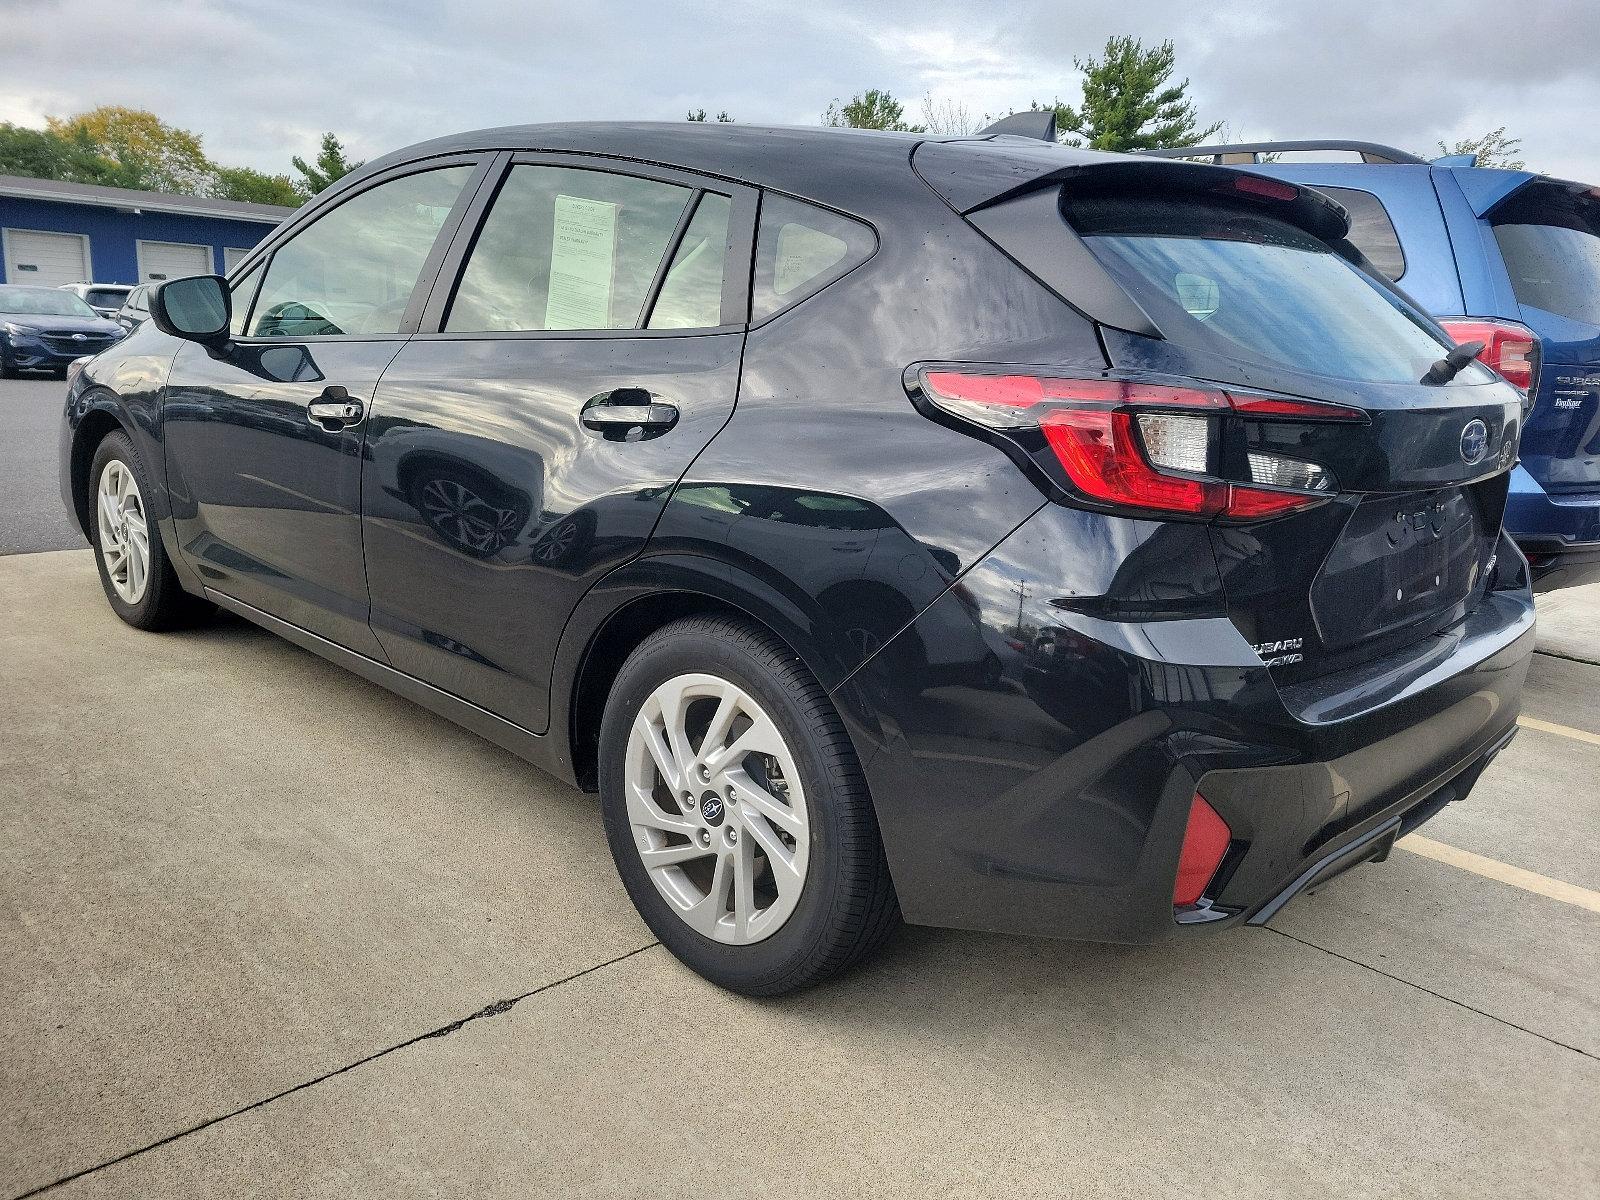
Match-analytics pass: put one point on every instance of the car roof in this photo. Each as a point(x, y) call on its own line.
point(844, 167)
point(806, 160)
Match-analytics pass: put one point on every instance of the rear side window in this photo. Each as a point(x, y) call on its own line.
point(1371, 230)
point(1238, 282)
point(691, 293)
point(1549, 236)
point(800, 250)
point(567, 248)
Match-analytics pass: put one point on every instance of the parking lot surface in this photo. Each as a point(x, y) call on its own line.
point(271, 931)
point(31, 517)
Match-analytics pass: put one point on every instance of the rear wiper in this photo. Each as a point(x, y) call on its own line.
point(1448, 367)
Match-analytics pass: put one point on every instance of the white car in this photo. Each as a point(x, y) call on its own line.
point(104, 298)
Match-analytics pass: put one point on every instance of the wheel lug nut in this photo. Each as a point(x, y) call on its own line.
point(705, 837)
point(733, 836)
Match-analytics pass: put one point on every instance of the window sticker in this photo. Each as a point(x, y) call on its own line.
point(582, 263)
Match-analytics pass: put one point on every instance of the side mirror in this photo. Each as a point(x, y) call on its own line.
point(198, 308)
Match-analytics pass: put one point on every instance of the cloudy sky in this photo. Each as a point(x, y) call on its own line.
point(261, 80)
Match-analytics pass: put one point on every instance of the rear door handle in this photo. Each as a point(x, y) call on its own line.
point(336, 409)
point(616, 412)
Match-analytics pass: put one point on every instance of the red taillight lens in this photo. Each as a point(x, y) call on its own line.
point(1271, 189)
point(1508, 348)
point(1205, 841)
point(1101, 454)
point(1144, 445)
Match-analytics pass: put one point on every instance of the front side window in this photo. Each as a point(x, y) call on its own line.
point(566, 248)
point(1238, 282)
point(351, 272)
point(242, 292)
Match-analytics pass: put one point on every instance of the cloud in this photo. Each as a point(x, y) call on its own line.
point(261, 81)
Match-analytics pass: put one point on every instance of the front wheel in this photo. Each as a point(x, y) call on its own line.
point(737, 813)
point(134, 570)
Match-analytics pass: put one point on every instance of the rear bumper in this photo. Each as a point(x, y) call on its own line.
point(1049, 796)
point(1374, 844)
point(1560, 534)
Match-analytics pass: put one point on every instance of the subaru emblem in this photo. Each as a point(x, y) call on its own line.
point(1474, 442)
point(78, 337)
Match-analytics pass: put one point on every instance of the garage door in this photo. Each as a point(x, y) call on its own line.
point(172, 260)
point(46, 259)
point(232, 256)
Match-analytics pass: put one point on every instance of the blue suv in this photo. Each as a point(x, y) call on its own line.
point(1508, 258)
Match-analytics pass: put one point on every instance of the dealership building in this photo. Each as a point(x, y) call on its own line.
point(54, 233)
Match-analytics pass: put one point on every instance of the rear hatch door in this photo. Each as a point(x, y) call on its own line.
point(1247, 299)
point(1548, 232)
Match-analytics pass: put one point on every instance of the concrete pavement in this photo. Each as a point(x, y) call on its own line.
point(31, 516)
point(250, 901)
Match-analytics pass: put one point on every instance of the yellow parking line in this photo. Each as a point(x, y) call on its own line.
point(1577, 735)
point(1489, 868)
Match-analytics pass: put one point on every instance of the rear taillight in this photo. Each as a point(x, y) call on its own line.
point(1141, 445)
point(1509, 348)
point(1205, 843)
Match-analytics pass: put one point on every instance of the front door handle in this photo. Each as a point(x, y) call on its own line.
point(617, 413)
point(336, 409)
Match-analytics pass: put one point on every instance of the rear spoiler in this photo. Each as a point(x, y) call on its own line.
point(1010, 190)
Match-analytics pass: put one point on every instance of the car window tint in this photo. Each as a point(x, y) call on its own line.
point(566, 248)
point(1236, 281)
point(351, 271)
point(691, 294)
point(1549, 236)
point(242, 291)
point(800, 249)
point(1371, 230)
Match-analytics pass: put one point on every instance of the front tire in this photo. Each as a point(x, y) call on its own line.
point(134, 569)
point(737, 813)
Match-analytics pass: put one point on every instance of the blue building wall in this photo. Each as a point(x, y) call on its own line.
point(113, 234)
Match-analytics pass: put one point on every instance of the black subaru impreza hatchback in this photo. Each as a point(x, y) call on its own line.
point(975, 529)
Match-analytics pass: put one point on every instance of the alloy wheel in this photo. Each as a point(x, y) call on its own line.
point(124, 531)
point(717, 809)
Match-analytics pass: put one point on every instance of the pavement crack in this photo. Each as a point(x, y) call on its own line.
point(1543, 1037)
point(496, 1009)
point(1588, 662)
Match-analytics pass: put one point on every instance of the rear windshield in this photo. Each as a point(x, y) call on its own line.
point(1549, 235)
point(1234, 281)
point(106, 297)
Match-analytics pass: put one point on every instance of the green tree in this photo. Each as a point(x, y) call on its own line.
point(872, 109)
point(145, 152)
point(1129, 102)
point(331, 165)
point(40, 154)
point(255, 187)
point(699, 114)
point(1494, 149)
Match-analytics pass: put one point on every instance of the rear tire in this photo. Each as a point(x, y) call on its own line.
point(134, 569)
point(760, 900)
